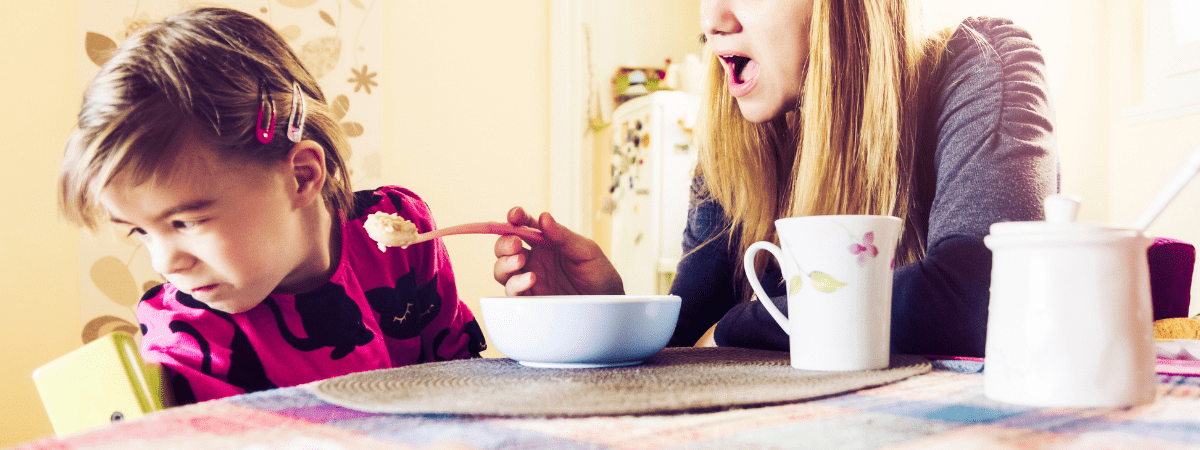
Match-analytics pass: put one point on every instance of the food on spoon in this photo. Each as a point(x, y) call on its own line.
point(390, 230)
point(1177, 328)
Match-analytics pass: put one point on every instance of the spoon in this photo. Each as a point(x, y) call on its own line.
point(531, 235)
point(389, 230)
point(1186, 173)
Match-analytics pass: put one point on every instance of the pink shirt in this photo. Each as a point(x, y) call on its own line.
point(378, 310)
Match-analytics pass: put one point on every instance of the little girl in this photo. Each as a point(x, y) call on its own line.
point(207, 139)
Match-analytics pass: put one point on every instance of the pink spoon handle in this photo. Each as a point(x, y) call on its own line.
point(531, 235)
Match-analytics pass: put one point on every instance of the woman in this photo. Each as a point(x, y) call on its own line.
point(841, 107)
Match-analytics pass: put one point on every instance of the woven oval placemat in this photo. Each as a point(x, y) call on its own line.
point(675, 380)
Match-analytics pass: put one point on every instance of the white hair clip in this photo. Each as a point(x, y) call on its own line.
point(296, 131)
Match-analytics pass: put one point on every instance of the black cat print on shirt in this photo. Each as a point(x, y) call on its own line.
point(245, 368)
point(330, 319)
point(406, 308)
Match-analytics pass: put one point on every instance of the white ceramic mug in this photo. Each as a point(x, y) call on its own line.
point(838, 274)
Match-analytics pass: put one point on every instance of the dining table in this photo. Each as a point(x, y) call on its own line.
point(944, 407)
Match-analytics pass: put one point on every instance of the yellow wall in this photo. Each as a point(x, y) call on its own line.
point(467, 117)
point(39, 254)
point(1142, 157)
point(467, 129)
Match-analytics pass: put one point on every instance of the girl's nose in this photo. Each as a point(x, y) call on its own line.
point(167, 257)
point(716, 17)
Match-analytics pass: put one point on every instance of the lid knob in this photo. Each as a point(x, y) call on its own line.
point(1061, 208)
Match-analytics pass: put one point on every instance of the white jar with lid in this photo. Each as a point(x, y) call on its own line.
point(1069, 319)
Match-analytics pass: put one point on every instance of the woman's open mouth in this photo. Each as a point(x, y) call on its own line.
point(741, 72)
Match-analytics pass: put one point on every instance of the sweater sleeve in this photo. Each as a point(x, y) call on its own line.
point(995, 154)
point(994, 160)
point(703, 279)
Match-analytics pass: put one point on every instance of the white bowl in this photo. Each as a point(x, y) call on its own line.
point(580, 331)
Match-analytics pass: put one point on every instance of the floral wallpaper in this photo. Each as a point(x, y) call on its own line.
point(339, 42)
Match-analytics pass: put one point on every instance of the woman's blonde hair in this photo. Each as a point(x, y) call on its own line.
point(197, 72)
point(847, 148)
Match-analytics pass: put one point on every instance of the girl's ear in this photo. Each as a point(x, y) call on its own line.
point(306, 163)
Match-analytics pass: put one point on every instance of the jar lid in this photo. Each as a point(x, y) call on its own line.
point(1059, 227)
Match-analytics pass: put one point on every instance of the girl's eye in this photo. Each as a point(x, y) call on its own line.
point(139, 233)
point(186, 224)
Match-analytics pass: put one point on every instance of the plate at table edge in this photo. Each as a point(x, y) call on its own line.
point(1182, 349)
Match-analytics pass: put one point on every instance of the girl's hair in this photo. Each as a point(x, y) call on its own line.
point(848, 146)
point(197, 72)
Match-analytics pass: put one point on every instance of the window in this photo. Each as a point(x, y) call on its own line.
point(1171, 33)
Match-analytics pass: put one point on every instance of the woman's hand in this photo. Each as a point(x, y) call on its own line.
point(568, 264)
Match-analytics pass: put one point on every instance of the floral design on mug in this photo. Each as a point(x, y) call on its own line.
point(862, 248)
point(865, 247)
point(821, 281)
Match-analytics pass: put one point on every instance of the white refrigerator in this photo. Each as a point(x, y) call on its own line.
point(653, 160)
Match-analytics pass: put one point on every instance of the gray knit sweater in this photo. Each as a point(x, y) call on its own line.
point(986, 154)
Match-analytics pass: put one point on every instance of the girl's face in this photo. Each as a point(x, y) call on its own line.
point(763, 45)
point(226, 232)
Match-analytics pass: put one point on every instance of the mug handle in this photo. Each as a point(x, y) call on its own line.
point(748, 265)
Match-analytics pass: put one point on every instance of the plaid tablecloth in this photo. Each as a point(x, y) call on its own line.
point(941, 409)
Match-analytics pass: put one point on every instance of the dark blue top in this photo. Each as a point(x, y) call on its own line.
point(985, 154)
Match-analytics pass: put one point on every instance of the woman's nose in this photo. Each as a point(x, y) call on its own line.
point(166, 257)
point(716, 17)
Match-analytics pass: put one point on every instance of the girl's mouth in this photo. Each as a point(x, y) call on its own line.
point(742, 72)
point(203, 289)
